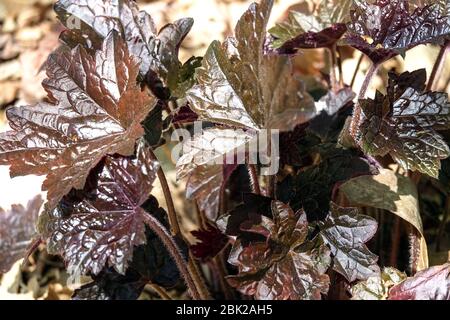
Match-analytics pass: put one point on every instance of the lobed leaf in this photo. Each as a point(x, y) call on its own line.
point(111, 285)
point(100, 225)
point(242, 86)
point(392, 192)
point(313, 188)
point(17, 230)
point(158, 52)
point(96, 108)
point(206, 184)
point(275, 267)
point(321, 30)
point(210, 242)
point(377, 287)
point(429, 284)
point(346, 232)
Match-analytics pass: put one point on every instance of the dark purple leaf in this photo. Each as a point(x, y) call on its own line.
point(209, 243)
point(248, 213)
point(277, 268)
point(111, 285)
point(312, 189)
point(184, 115)
point(100, 225)
point(387, 28)
point(325, 38)
point(322, 29)
point(153, 125)
point(17, 230)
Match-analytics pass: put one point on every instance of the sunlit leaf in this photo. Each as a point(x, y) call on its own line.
point(323, 28)
point(151, 263)
point(17, 230)
point(403, 123)
point(158, 52)
point(346, 232)
point(95, 109)
point(206, 184)
point(392, 192)
point(332, 102)
point(242, 86)
point(429, 284)
point(211, 146)
point(100, 225)
point(387, 28)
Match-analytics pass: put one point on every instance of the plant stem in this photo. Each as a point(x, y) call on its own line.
point(160, 291)
point(222, 273)
point(201, 216)
point(339, 64)
point(354, 125)
point(414, 249)
point(395, 242)
point(173, 220)
point(198, 279)
point(174, 251)
point(176, 230)
point(333, 63)
point(271, 186)
point(438, 66)
point(355, 73)
point(253, 175)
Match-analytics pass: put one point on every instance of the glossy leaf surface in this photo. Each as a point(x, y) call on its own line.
point(100, 225)
point(387, 28)
point(403, 123)
point(346, 232)
point(95, 109)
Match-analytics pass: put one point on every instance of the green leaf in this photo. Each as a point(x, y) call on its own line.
point(186, 77)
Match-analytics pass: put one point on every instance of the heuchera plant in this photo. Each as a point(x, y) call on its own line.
point(116, 88)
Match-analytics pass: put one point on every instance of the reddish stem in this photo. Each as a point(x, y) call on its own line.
point(356, 118)
point(355, 73)
point(174, 251)
point(438, 66)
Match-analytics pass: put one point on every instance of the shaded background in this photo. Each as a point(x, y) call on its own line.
point(29, 32)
